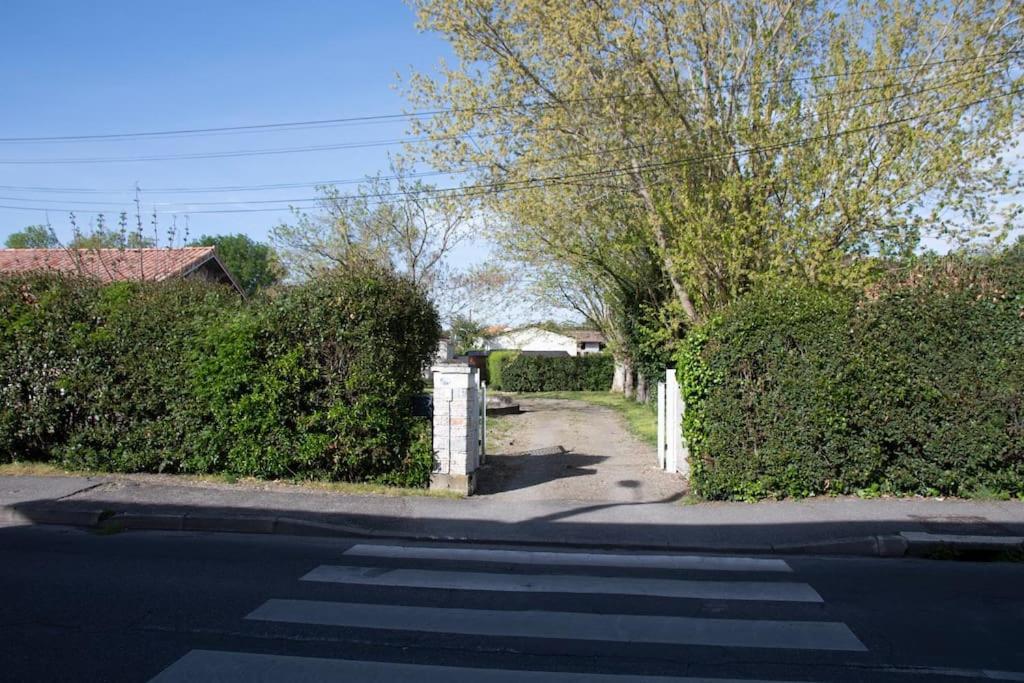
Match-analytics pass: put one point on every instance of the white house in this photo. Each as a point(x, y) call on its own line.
point(539, 340)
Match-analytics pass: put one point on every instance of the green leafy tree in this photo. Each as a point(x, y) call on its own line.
point(32, 237)
point(465, 334)
point(253, 265)
point(396, 221)
point(721, 143)
point(106, 239)
point(405, 225)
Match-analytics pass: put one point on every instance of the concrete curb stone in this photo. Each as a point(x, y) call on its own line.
point(920, 544)
point(915, 544)
point(235, 524)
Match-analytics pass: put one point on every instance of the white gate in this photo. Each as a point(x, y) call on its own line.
point(673, 455)
point(483, 421)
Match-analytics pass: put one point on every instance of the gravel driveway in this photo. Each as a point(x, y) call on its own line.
point(571, 450)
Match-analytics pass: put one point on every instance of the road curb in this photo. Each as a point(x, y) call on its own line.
point(904, 544)
point(869, 546)
point(961, 546)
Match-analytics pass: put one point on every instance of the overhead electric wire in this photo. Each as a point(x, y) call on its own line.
point(391, 177)
point(422, 174)
point(214, 155)
point(222, 188)
point(563, 179)
point(484, 109)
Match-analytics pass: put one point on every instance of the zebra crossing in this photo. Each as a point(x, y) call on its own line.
point(496, 572)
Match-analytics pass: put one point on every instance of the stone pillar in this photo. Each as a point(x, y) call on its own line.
point(456, 427)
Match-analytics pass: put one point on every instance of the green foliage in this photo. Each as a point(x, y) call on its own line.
point(496, 361)
point(103, 238)
point(465, 334)
point(863, 124)
point(415, 469)
point(916, 387)
point(187, 377)
point(254, 266)
point(525, 372)
point(32, 237)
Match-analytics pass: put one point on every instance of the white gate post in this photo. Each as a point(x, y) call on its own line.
point(483, 422)
point(672, 420)
point(456, 427)
point(661, 425)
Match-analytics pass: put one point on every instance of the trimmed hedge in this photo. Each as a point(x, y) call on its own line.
point(526, 373)
point(314, 382)
point(496, 361)
point(916, 387)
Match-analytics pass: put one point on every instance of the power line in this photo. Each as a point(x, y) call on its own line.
point(409, 116)
point(471, 191)
point(239, 153)
point(223, 188)
point(216, 155)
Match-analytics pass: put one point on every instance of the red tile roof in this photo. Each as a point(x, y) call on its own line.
point(108, 265)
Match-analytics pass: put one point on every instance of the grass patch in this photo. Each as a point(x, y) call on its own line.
point(365, 489)
point(38, 469)
point(642, 419)
point(498, 429)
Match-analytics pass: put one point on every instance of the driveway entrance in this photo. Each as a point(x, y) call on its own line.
point(559, 449)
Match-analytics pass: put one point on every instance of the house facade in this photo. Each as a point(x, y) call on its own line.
point(540, 340)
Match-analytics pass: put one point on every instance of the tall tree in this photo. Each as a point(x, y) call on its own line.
point(404, 224)
point(254, 265)
point(32, 237)
point(395, 220)
point(730, 140)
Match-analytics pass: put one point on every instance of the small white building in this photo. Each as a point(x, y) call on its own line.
point(539, 340)
point(588, 341)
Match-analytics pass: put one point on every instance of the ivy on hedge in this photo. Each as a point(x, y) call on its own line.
point(312, 382)
point(525, 373)
point(916, 387)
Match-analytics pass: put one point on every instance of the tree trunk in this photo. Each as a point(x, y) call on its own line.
point(659, 231)
point(641, 388)
point(619, 378)
point(629, 386)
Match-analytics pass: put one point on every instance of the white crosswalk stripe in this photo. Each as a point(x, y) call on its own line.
point(236, 667)
point(399, 569)
point(797, 635)
point(635, 561)
point(562, 583)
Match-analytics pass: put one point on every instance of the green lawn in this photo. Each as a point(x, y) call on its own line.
point(642, 419)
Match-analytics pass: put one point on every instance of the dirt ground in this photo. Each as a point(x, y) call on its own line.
point(570, 450)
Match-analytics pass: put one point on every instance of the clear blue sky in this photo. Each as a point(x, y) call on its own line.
point(113, 66)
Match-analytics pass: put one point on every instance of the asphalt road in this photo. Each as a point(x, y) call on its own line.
point(135, 606)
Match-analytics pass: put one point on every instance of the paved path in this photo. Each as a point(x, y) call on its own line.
point(572, 450)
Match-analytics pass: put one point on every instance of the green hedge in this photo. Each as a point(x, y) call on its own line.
point(314, 382)
point(916, 387)
point(526, 373)
point(496, 361)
